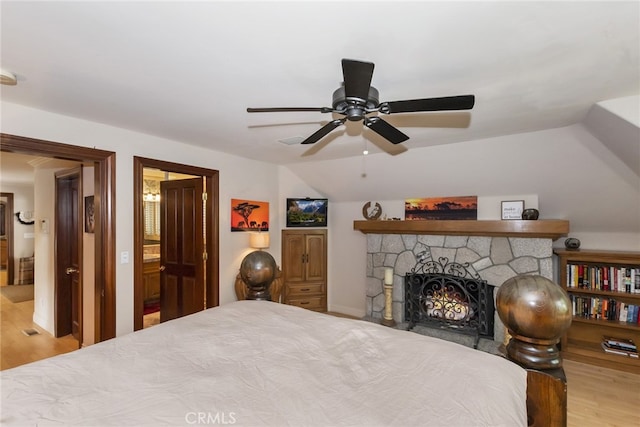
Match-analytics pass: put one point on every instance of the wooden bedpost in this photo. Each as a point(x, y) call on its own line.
point(546, 398)
point(242, 289)
point(537, 312)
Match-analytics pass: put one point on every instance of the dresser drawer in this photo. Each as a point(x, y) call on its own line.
point(310, 303)
point(307, 289)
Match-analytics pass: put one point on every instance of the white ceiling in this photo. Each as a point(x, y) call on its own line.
point(187, 71)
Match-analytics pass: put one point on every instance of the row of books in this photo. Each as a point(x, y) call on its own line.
point(605, 308)
point(604, 278)
point(620, 347)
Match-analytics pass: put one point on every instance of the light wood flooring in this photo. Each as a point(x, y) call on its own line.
point(601, 397)
point(16, 348)
point(596, 396)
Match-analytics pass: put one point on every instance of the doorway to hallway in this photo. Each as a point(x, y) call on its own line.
point(180, 288)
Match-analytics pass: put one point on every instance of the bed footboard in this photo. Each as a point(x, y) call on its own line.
point(546, 398)
point(537, 312)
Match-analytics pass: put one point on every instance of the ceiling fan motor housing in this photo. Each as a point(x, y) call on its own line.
point(354, 108)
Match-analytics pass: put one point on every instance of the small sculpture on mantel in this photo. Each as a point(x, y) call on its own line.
point(572, 244)
point(530, 214)
point(371, 212)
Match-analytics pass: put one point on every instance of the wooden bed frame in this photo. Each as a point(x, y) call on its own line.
point(536, 313)
point(546, 398)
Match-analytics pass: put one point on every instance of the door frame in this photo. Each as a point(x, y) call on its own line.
point(9, 236)
point(105, 228)
point(211, 224)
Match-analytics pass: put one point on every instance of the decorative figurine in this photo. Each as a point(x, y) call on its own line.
point(371, 212)
point(530, 214)
point(572, 244)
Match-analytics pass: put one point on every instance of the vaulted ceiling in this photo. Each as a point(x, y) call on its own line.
point(187, 71)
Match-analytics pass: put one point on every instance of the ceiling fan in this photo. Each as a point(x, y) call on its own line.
point(356, 98)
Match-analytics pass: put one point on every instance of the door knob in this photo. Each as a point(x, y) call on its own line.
point(162, 267)
point(71, 270)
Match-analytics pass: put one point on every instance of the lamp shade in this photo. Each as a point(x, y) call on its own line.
point(259, 240)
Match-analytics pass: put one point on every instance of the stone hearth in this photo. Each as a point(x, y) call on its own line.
point(495, 259)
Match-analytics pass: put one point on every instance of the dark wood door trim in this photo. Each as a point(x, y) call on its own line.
point(105, 231)
point(9, 235)
point(211, 225)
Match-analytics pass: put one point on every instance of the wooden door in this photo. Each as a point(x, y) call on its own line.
point(6, 236)
point(182, 283)
point(315, 257)
point(294, 248)
point(68, 254)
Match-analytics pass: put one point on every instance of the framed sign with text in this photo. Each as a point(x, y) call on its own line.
point(512, 209)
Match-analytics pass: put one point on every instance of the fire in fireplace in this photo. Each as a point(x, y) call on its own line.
point(449, 295)
point(448, 304)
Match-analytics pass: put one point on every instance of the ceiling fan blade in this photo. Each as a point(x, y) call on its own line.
point(289, 109)
point(323, 131)
point(357, 78)
point(385, 130)
point(462, 102)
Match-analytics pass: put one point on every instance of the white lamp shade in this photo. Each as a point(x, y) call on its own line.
point(259, 240)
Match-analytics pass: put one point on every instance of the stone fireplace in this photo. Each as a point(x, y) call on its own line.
point(506, 250)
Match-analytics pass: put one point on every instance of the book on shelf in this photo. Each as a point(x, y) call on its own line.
point(604, 278)
point(620, 352)
point(624, 308)
point(632, 314)
point(619, 342)
point(596, 307)
point(619, 347)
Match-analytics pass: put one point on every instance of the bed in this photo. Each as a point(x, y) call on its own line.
point(259, 363)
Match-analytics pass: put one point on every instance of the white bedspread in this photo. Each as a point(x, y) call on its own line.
point(254, 363)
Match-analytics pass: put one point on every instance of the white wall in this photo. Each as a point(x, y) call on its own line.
point(88, 265)
point(571, 173)
point(44, 267)
point(239, 178)
point(575, 176)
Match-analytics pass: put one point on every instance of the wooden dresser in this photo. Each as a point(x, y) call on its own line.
point(4, 253)
point(304, 268)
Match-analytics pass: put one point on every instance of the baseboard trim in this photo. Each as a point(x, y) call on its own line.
point(347, 310)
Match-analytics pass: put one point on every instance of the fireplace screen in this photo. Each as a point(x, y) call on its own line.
point(449, 295)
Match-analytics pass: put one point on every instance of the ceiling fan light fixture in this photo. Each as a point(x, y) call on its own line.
point(340, 101)
point(292, 141)
point(7, 78)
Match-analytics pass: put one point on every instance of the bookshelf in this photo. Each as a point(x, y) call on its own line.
point(598, 292)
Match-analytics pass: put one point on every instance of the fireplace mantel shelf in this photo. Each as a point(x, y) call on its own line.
point(548, 228)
